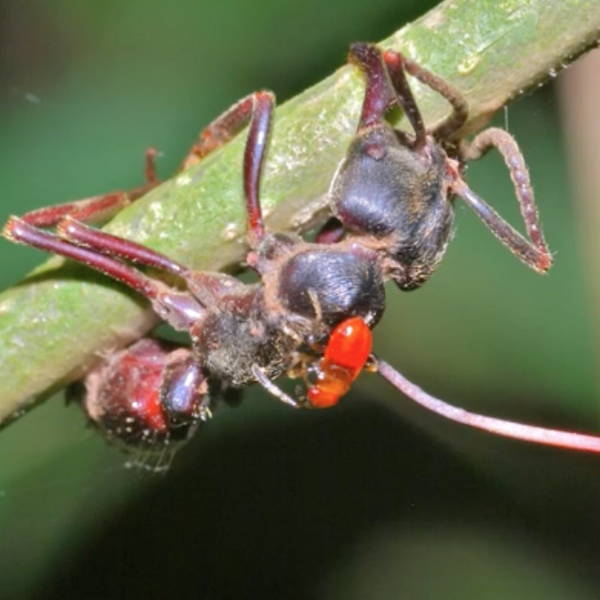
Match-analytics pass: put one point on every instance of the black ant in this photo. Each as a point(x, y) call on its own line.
point(313, 309)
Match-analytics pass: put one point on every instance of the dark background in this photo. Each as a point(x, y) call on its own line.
point(374, 499)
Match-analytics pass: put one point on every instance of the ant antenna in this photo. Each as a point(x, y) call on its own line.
point(519, 431)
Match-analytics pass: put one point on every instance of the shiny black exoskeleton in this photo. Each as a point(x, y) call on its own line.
point(386, 190)
point(322, 283)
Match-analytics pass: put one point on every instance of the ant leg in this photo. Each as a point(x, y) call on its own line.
point(19, 231)
point(395, 64)
point(220, 131)
point(378, 93)
point(331, 233)
point(450, 126)
point(263, 380)
point(257, 109)
point(224, 128)
point(519, 431)
point(102, 208)
point(254, 155)
point(111, 245)
point(97, 208)
point(534, 253)
point(181, 310)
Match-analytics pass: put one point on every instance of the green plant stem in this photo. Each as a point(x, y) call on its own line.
point(55, 324)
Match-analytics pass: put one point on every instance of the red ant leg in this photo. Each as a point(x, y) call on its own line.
point(534, 253)
point(378, 97)
point(112, 245)
point(450, 126)
point(220, 131)
point(254, 154)
point(204, 287)
point(395, 64)
point(179, 309)
point(96, 208)
point(224, 128)
point(102, 208)
point(260, 111)
point(19, 231)
point(519, 431)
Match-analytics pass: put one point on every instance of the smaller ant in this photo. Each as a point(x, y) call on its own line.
point(311, 313)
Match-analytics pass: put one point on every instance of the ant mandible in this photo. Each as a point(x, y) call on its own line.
point(312, 311)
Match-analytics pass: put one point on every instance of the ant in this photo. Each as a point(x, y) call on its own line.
point(311, 313)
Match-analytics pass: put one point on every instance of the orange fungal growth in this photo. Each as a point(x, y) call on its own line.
point(347, 351)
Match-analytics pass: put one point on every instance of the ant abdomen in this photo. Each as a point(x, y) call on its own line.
point(124, 396)
point(386, 189)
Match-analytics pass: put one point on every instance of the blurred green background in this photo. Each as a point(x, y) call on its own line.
point(372, 500)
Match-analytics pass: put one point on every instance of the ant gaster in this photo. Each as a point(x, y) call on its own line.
point(312, 311)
